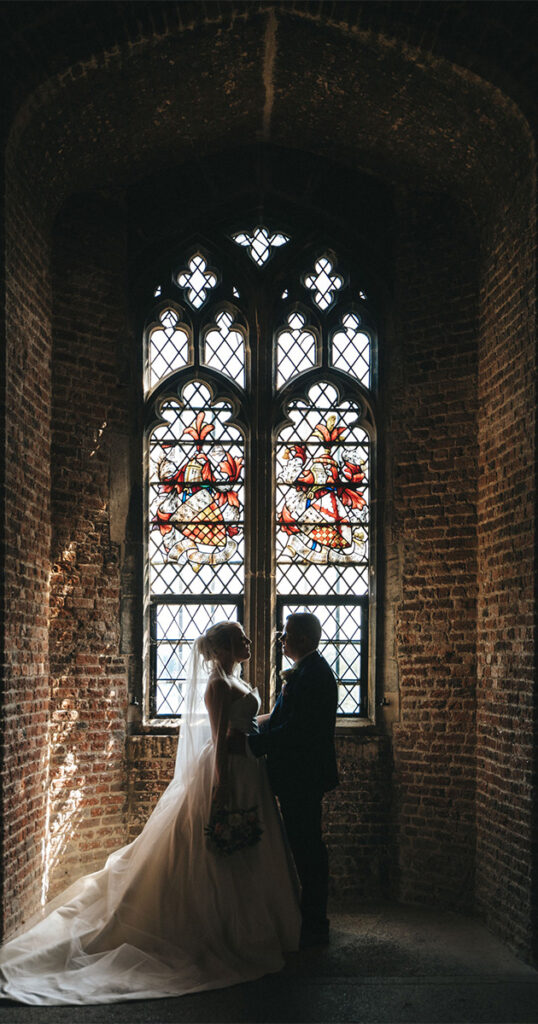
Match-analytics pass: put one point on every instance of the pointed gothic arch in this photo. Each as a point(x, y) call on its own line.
point(260, 454)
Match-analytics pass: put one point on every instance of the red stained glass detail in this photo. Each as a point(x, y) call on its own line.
point(321, 495)
point(199, 514)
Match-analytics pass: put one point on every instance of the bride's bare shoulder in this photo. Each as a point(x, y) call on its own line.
point(218, 682)
point(218, 693)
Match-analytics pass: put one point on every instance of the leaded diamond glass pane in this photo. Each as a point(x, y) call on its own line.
point(175, 628)
point(322, 466)
point(350, 349)
point(260, 243)
point(301, 579)
point(296, 349)
point(323, 283)
point(197, 281)
point(342, 642)
point(224, 348)
point(168, 347)
point(196, 497)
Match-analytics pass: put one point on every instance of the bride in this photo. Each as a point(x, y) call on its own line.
point(170, 914)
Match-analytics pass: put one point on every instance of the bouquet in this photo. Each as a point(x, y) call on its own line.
point(231, 830)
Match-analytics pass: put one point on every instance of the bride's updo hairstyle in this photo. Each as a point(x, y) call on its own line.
point(218, 637)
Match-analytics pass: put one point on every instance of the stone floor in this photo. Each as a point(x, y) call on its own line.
point(386, 963)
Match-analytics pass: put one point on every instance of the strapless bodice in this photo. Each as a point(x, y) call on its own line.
point(243, 712)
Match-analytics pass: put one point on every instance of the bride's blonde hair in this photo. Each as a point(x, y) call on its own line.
point(217, 638)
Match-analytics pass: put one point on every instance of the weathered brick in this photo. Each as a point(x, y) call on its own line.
point(444, 140)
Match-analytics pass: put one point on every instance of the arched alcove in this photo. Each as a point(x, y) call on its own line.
point(436, 168)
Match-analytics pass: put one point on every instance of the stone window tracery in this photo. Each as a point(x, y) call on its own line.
point(223, 421)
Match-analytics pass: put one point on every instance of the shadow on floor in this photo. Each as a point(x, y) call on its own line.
point(385, 965)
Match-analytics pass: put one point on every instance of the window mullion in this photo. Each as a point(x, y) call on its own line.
point(259, 597)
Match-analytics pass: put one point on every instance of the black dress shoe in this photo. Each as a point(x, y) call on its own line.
point(314, 937)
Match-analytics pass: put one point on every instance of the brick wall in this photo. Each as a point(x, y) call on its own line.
point(357, 820)
point(88, 672)
point(25, 693)
point(109, 125)
point(434, 459)
point(506, 692)
point(150, 764)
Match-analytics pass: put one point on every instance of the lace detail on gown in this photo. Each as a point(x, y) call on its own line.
point(165, 916)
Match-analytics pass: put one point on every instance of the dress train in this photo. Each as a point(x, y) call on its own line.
point(166, 916)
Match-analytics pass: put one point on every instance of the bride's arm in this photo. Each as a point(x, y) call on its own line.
point(218, 697)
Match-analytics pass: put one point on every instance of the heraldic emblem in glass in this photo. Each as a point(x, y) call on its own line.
point(197, 483)
point(322, 480)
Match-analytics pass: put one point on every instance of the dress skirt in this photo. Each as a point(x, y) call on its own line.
point(167, 916)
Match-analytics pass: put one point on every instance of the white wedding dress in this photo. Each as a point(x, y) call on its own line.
point(166, 916)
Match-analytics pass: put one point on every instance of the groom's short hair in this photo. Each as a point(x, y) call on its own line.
point(305, 624)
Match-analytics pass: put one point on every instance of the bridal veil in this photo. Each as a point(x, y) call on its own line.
point(164, 916)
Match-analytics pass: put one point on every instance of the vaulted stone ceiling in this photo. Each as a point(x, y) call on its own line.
point(497, 41)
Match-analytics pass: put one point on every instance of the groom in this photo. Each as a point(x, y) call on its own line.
point(298, 738)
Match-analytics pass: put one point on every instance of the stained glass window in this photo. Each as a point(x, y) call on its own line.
point(296, 349)
point(350, 349)
point(295, 523)
point(196, 520)
point(197, 281)
point(174, 628)
point(260, 243)
point(323, 284)
point(224, 347)
point(168, 348)
point(196, 497)
point(322, 524)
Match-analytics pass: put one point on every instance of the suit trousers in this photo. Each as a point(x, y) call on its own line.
point(302, 819)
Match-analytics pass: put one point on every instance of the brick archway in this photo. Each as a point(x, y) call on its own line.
point(446, 146)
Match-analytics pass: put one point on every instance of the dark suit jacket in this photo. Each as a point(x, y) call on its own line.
point(298, 738)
